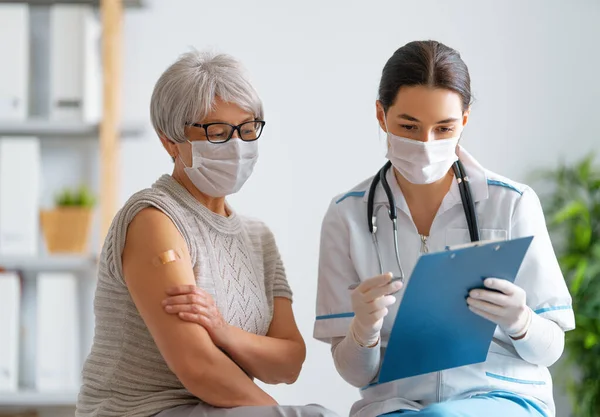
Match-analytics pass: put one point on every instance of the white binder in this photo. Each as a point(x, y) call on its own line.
point(10, 301)
point(19, 195)
point(57, 333)
point(14, 55)
point(75, 67)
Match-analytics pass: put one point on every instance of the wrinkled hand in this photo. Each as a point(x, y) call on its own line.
point(506, 308)
point(369, 302)
point(192, 304)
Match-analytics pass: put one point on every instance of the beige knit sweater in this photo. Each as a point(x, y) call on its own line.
point(234, 259)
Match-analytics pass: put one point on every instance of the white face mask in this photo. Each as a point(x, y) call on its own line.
point(421, 162)
point(220, 169)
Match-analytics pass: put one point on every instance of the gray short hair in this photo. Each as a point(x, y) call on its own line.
point(186, 92)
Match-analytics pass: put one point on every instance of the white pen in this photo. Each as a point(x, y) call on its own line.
point(354, 286)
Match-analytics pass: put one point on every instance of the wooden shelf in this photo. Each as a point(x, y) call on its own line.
point(60, 130)
point(129, 4)
point(31, 398)
point(48, 263)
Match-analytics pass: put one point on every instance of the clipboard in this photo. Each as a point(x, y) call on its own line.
point(434, 329)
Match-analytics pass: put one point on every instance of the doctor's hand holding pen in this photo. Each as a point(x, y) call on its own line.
point(370, 300)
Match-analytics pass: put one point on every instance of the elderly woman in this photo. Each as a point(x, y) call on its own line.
point(192, 301)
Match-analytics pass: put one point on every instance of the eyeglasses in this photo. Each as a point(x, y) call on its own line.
point(222, 132)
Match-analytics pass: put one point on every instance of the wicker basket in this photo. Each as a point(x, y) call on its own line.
point(66, 229)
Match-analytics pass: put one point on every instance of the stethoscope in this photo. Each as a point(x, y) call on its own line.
point(465, 195)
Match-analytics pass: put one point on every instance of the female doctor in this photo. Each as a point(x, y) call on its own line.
point(424, 105)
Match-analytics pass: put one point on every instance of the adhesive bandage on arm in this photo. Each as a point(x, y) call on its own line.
point(167, 257)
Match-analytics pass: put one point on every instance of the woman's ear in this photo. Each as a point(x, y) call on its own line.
point(466, 114)
point(170, 147)
point(380, 113)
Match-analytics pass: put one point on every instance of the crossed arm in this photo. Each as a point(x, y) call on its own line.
point(274, 358)
point(187, 348)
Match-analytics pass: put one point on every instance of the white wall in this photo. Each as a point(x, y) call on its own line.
point(534, 66)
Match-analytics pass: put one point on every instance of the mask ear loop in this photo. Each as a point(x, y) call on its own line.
point(387, 132)
point(387, 129)
point(181, 159)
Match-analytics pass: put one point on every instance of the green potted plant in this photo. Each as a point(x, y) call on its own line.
point(66, 227)
point(573, 214)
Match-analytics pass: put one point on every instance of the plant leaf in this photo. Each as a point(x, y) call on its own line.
point(570, 211)
point(591, 340)
point(80, 197)
point(570, 261)
point(584, 168)
point(583, 236)
point(595, 251)
point(579, 276)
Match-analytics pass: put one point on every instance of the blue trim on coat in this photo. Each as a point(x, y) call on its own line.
point(505, 185)
point(351, 194)
point(553, 308)
point(515, 380)
point(335, 316)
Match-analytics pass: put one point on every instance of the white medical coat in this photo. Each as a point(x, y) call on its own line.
point(505, 210)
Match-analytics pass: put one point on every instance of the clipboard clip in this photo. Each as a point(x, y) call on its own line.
point(475, 244)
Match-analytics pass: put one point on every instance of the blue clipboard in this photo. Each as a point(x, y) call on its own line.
point(434, 329)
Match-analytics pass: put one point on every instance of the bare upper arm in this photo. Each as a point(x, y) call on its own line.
point(283, 325)
point(150, 234)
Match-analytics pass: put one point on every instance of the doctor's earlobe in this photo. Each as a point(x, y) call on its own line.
point(381, 116)
point(466, 115)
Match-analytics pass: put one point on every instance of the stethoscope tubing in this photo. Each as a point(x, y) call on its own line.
point(466, 199)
